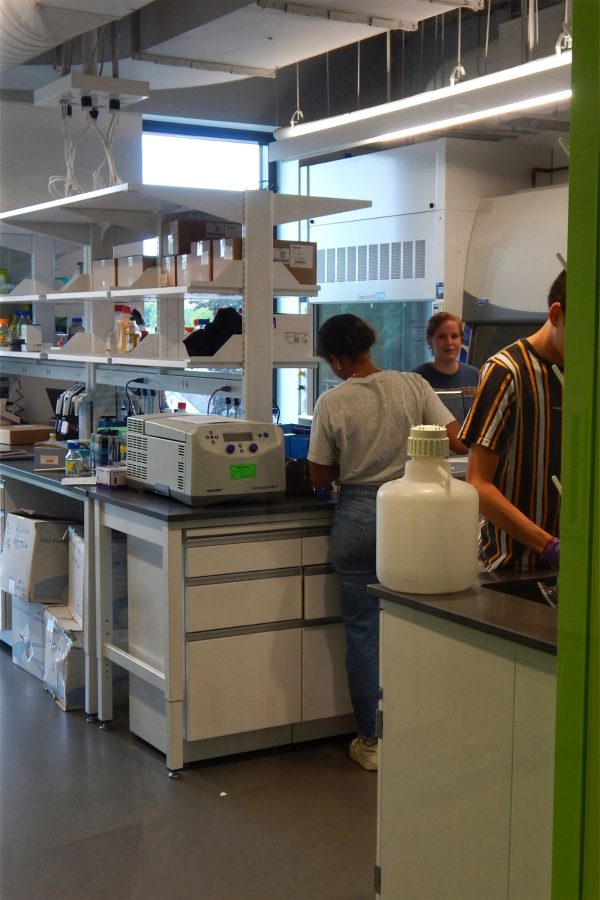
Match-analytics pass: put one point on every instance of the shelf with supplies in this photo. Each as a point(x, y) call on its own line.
point(123, 214)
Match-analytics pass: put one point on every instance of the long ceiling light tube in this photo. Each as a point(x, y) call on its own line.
point(467, 118)
point(531, 85)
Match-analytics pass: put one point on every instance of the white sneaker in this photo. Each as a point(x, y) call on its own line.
point(363, 750)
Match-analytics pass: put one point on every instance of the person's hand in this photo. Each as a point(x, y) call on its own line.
point(551, 553)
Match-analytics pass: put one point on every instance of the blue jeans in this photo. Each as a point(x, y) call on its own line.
point(353, 557)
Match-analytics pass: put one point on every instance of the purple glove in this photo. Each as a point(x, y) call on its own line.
point(551, 553)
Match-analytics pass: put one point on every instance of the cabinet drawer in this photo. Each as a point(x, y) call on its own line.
point(315, 550)
point(324, 684)
point(321, 596)
point(243, 683)
point(241, 556)
point(233, 604)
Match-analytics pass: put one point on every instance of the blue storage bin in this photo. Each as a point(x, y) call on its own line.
point(296, 439)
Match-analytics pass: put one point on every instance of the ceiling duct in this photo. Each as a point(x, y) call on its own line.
point(29, 28)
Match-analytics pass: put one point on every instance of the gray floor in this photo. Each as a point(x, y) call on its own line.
point(91, 814)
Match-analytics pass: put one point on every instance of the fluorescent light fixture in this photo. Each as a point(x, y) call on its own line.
point(533, 85)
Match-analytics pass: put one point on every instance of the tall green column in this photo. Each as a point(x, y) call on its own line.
point(576, 836)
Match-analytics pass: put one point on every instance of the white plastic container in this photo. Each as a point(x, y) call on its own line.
point(427, 522)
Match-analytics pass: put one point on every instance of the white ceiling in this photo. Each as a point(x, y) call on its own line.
point(215, 42)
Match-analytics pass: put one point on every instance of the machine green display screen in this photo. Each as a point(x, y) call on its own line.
point(242, 470)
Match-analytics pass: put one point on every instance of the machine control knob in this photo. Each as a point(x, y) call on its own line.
point(253, 448)
point(230, 448)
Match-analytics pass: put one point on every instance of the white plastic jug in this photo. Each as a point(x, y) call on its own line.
point(427, 522)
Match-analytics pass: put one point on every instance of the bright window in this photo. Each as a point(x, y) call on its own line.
point(219, 162)
point(200, 162)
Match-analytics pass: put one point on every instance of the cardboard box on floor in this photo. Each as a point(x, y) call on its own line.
point(35, 558)
point(77, 562)
point(28, 636)
point(64, 662)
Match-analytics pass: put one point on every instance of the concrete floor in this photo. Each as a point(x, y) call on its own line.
point(92, 814)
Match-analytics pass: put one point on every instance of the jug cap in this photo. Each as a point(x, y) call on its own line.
point(428, 440)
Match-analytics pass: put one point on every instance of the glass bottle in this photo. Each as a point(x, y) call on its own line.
point(22, 318)
point(132, 335)
point(4, 333)
point(73, 460)
point(122, 327)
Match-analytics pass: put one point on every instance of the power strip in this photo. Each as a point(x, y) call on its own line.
point(96, 90)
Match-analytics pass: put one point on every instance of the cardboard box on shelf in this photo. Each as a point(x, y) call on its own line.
point(35, 558)
point(300, 257)
point(23, 434)
point(178, 234)
point(130, 268)
point(292, 337)
point(28, 636)
point(223, 251)
point(168, 271)
point(196, 265)
point(104, 274)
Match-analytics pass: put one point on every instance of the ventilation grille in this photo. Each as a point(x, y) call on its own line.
point(181, 467)
point(137, 452)
point(372, 262)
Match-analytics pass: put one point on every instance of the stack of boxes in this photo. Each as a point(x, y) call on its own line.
point(43, 569)
point(195, 250)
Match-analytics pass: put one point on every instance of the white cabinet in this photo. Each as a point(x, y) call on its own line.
point(131, 212)
point(243, 683)
point(466, 762)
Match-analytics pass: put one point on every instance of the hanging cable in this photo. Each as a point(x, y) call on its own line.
point(388, 65)
point(532, 27)
point(298, 114)
point(458, 72)
point(107, 143)
point(358, 75)
point(443, 50)
point(65, 185)
point(435, 52)
point(565, 38)
point(487, 37)
point(402, 69)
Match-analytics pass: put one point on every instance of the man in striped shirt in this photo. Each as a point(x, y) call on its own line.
point(513, 432)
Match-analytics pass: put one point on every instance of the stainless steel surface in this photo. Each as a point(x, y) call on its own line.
point(538, 589)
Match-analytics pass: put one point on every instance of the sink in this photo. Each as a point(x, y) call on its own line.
point(527, 588)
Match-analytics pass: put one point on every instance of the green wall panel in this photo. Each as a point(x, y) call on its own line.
point(576, 839)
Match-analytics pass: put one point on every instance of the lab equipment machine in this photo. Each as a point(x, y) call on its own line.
point(202, 460)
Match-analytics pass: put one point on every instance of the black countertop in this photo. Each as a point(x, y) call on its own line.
point(163, 508)
point(490, 610)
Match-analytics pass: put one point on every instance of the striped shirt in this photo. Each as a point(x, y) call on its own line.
point(517, 412)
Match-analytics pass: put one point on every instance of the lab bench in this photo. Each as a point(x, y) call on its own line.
point(234, 639)
point(467, 721)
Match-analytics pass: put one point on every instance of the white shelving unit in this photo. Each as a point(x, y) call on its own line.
point(132, 212)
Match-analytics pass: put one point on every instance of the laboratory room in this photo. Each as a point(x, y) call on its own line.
point(298, 590)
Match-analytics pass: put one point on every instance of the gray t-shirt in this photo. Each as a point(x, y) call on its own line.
point(364, 424)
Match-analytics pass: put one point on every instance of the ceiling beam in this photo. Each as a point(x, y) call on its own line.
point(208, 65)
point(337, 15)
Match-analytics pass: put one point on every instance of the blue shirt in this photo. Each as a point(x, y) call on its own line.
point(466, 376)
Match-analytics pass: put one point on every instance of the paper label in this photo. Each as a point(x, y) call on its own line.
point(48, 459)
point(301, 256)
